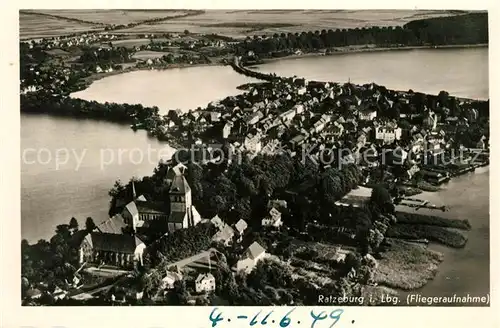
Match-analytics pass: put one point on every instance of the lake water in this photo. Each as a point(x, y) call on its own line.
point(70, 165)
point(463, 270)
point(461, 72)
point(51, 195)
point(183, 88)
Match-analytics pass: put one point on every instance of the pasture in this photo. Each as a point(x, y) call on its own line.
point(36, 26)
point(113, 16)
point(130, 43)
point(146, 54)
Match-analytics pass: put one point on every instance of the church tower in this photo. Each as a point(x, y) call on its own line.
point(180, 204)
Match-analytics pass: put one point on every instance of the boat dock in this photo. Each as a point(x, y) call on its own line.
point(420, 203)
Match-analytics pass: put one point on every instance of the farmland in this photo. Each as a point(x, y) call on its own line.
point(234, 23)
point(243, 23)
point(114, 16)
point(145, 55)
point(38, 26)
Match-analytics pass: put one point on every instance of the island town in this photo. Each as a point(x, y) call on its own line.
point(291, 190)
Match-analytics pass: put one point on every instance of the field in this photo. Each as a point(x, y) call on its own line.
point(113, 16)
point(234, 23)
point(145, 55)
point(248, 22)
point(37, 26)
point(130, 43)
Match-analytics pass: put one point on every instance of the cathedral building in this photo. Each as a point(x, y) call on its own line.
point(141, 213)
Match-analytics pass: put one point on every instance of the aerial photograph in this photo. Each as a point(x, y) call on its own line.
point(254, 157)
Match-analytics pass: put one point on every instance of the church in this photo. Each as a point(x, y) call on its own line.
point(182, 214)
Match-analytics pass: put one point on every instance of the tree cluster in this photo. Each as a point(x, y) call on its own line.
point(180, 244)
point(461, 29)
point(54, 261)
point(123, 113)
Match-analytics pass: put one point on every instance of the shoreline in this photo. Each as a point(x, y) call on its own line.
point(99, 76)
point(345, 51)
point(366, 48)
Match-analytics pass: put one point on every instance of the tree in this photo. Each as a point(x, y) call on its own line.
point(73, 224)
point(180, 294)
point(443, 98)
point(381, 198)
point(186, 32)
point(90, 225)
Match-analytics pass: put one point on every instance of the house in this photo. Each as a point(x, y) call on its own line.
point(225, 235)
point(254, 118)
point(252, 255)
point(33, 293)
point(297, 141)
point(253, 143)
point(430, 120)
point(277, 203)
point(215, 117)
point(169, 280)
point(217, 222)
point(205, 283)
point(134, 293)
point(298, 108)
point(59, 294)
point(320, 124)
point(340, 255)
point(481, 144)
point(412, 171)
point(226, 130)
point(273, 219)
point(288, 115)
point(120, 250)
point(368, 114)
point(240, 228)
point(388, 134)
